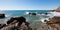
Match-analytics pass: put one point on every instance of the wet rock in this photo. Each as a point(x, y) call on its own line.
point(29, 13)
point(18, 19)
point(2, 25)
point(2, 15)
point(19, 23)
point(33, 13)
point(16, 27)
point(46, 13)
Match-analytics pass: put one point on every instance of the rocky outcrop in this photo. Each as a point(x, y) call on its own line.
point(2, 15)
point(17, 23)
point(2, 25)
point(33, 13)
point(56, 10)
point(16, 27)
point(17, 19)
point(54, 23)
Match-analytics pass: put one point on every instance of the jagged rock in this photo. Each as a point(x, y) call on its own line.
point(16, 27)
point(54, 22)
point(18, 19)
point(2, 15)
point(55, 19)
point(2, 25)
point(19, 23)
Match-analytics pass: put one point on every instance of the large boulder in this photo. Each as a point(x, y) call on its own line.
point(2, 15)
point(33, 13)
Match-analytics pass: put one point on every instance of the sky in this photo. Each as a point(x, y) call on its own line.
point(29, 4)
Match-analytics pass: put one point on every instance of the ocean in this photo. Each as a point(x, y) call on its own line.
point(29, 18)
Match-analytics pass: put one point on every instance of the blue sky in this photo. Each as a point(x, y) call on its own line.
point(29, 4)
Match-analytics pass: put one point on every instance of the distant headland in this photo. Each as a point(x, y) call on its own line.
point(56, 10)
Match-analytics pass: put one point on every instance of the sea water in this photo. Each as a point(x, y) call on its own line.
point(29, 18)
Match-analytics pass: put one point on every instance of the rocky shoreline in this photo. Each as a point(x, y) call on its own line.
point(20, 23)
point(16, 23)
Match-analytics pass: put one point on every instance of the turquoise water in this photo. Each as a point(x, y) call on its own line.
point(29, 18)
point(21, 12)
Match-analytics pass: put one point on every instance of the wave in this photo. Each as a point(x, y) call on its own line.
point(55, 13)
point(27, 12)
point(7, 15)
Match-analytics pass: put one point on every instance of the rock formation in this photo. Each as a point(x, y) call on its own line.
point(2, 25)
point(33, 13)
point(18, 19)
point(17, 23)
point(54, 23)
point(56, 10)
point(2, 15)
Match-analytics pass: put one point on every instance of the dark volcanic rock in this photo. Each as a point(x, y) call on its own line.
point(33, 13)
point(19, 24)
point(2, 25)
point(18, 19)
point(45, 13)
point(29, 13)
point(2, 15)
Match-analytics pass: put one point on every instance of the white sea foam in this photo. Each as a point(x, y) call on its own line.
point(27, 12)
point(42, 20)
point(55, 14)
point(7, 15)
